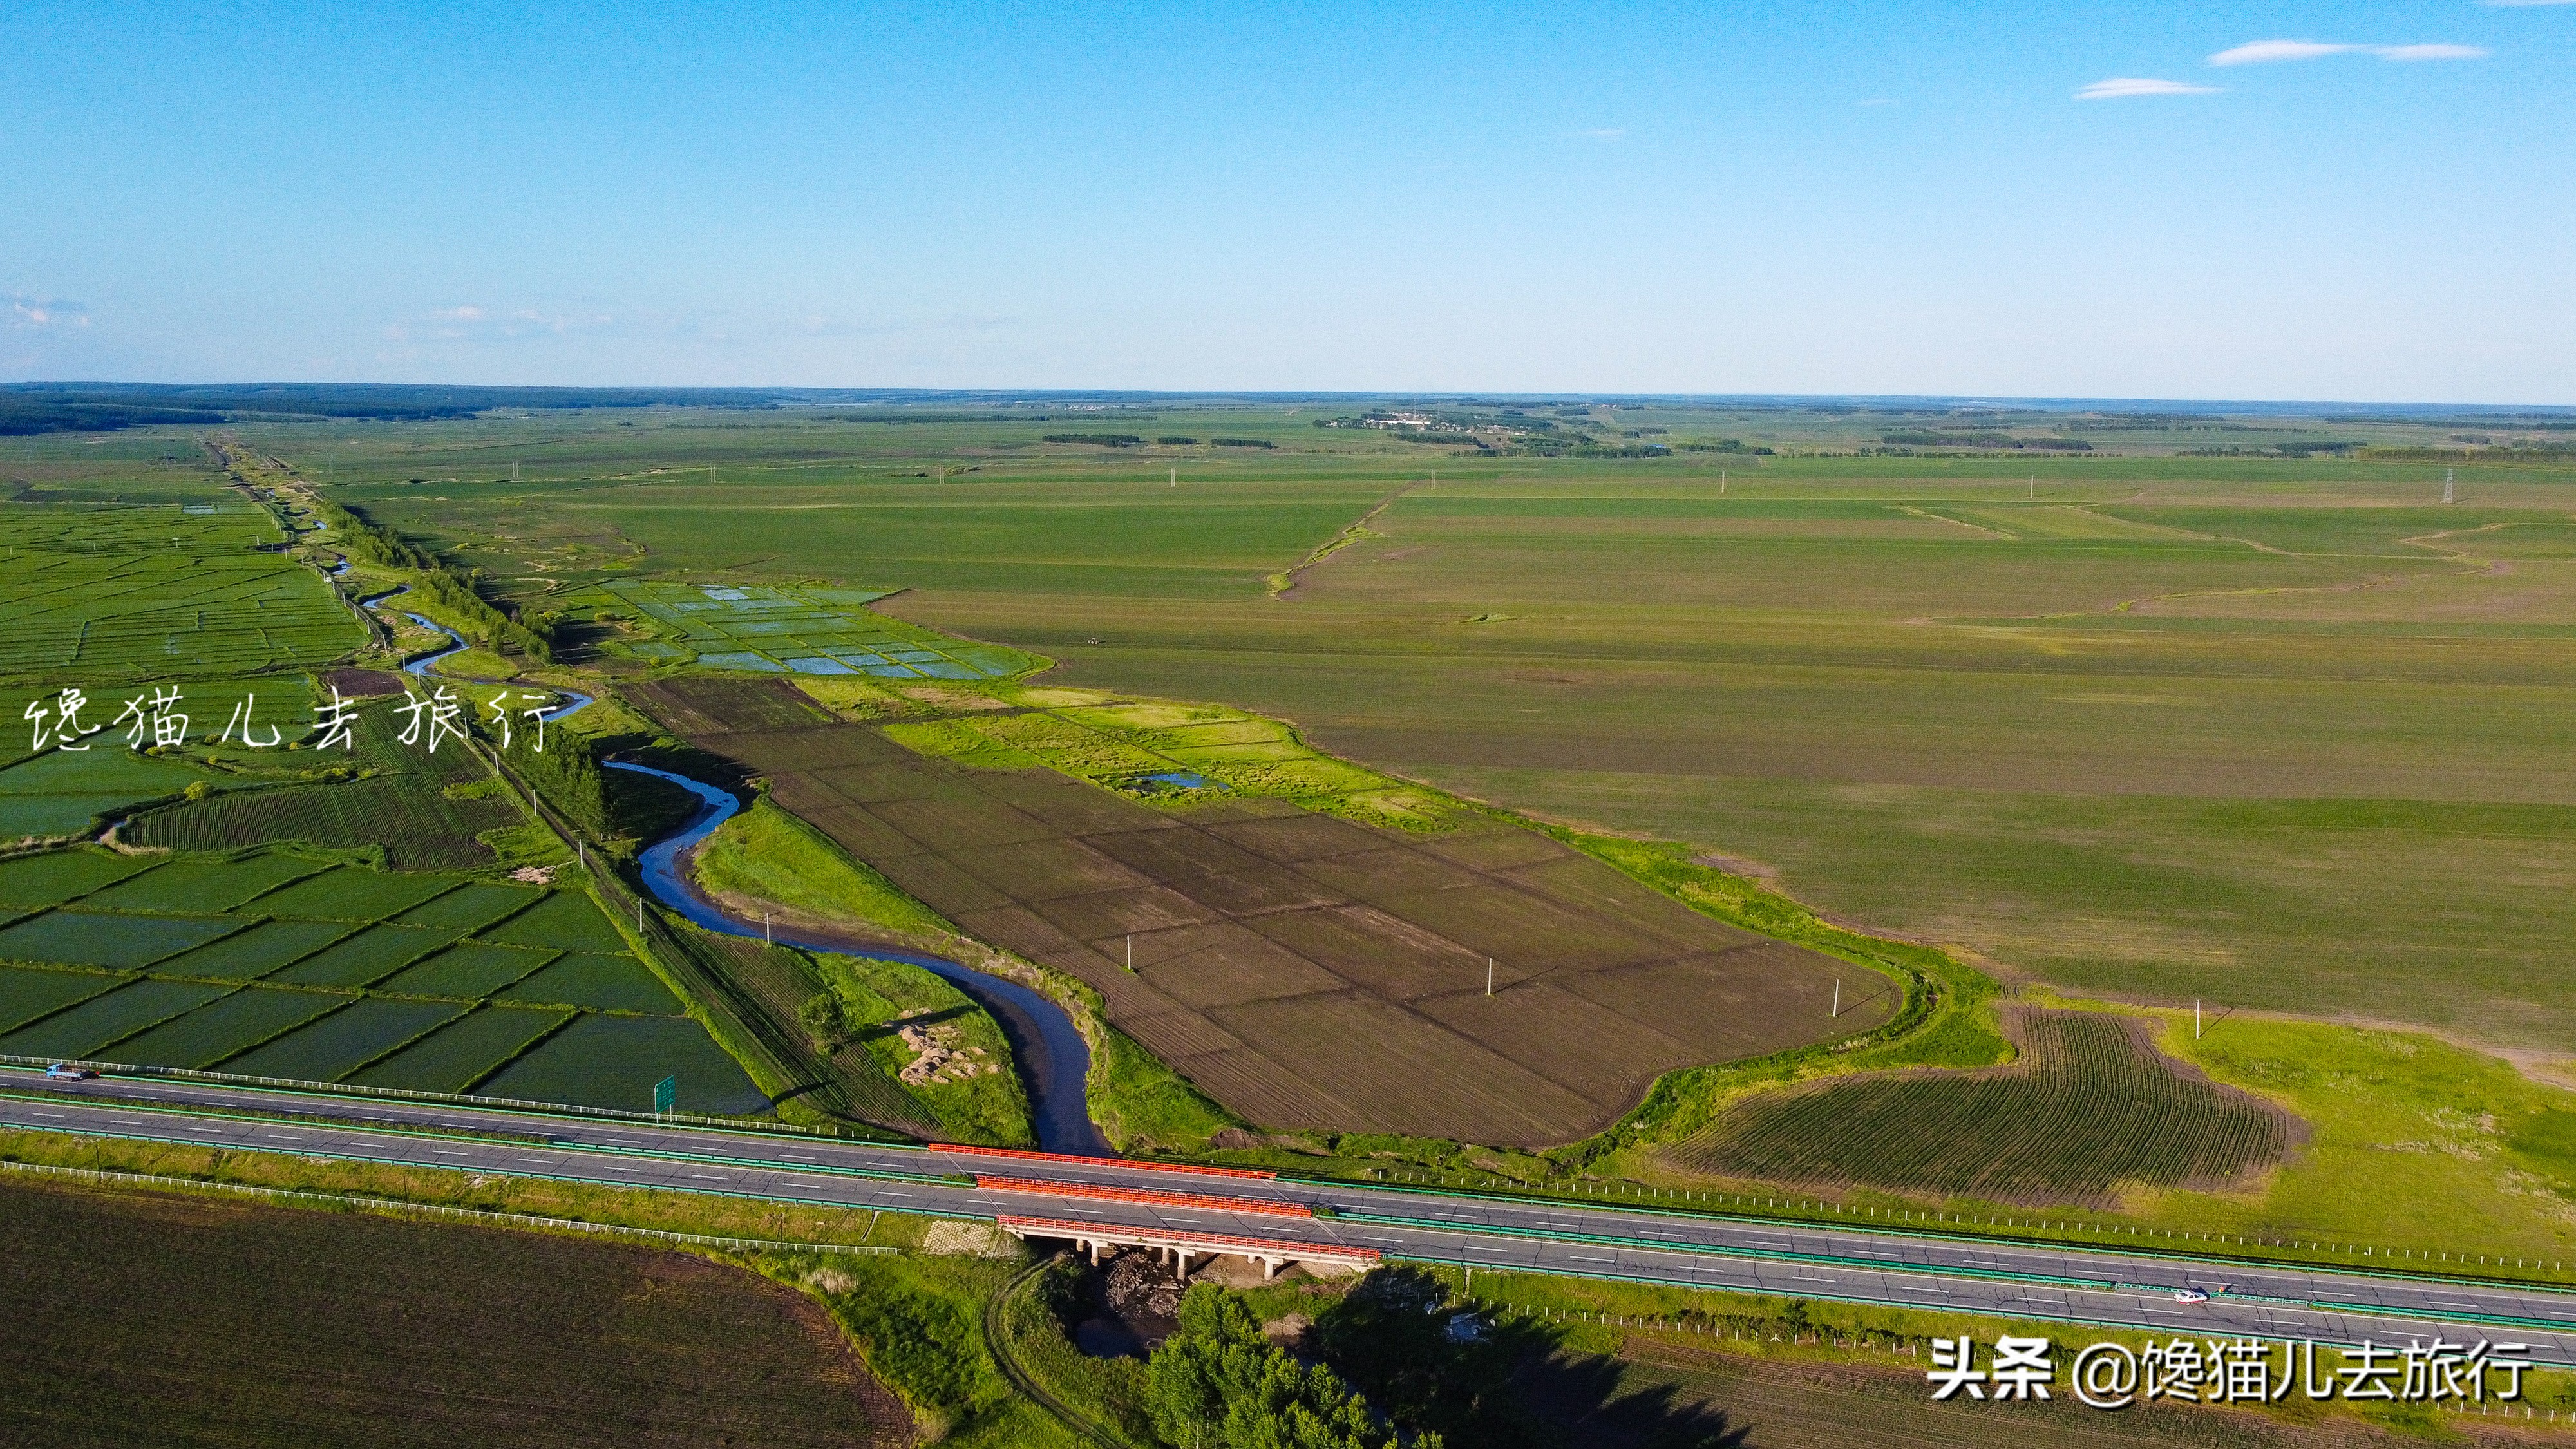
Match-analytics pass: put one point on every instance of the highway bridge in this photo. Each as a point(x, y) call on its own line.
point(1110, 1200)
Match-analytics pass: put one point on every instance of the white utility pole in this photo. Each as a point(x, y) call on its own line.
point(1838, 996)
point(1489, 976)
point(766, 938)
point(1131, 950)
point(2195, 1018)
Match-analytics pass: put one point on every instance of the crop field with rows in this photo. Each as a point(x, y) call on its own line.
point(127, 593)
point(314, 1328)
point(2091, 1109)
point(289, 967)
point(440, 824)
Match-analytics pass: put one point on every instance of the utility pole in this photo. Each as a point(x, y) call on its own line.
point(1131, 951)
point(1721, 482)
point(1489, 976)
point(766, 938)
point(2195, 1018)
point(1838, 997)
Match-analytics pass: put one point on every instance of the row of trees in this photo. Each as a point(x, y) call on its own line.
point(366, 539)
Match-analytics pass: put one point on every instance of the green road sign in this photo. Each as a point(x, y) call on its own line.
point(666, 1094)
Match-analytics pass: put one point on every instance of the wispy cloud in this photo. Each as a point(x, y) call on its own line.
point(1601, 133)
point(2521, 3)
point(821, 325)
point(1880, 101)
point(472, 323)
point(2122, 87)
point(2430, 52)
point(2266, 52)
point(45, 313)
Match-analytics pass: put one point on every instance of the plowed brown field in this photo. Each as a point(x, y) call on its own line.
point(1303, 970)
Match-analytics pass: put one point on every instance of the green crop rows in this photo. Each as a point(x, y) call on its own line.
point(145, 592)
point(613, 1061)
point(438, 831)
point(2092, 1108)
point(302, 976)
point(458, 1056)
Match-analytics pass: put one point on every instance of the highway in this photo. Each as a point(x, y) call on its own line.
point(1706, 1250)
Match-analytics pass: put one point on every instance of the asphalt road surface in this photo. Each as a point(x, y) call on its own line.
point(1915, 1269)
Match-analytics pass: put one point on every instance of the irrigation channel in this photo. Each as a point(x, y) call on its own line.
point(1053, 1057)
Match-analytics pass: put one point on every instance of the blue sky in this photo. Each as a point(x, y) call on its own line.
point(1887, 198)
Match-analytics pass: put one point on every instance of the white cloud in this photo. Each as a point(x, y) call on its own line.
point(1602, 133)
point(2527, 2)
point(2122, 87)
point(2429, 52)
point(45, 313)
point(2264, 52)
point(1879, 101)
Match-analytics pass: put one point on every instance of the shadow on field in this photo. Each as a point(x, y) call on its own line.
point(1597, 1400)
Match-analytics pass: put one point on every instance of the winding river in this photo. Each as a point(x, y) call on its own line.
point(1052, 1055)
point(1053, 1058)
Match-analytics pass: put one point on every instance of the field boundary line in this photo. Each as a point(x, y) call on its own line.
point(383, 1204)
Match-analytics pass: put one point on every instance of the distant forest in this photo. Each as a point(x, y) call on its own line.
point(105, 407)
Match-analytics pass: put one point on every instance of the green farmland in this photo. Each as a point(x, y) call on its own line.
point(274, 964)
point(131, 592)
point(2087, 1110)
point(2150, 726)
